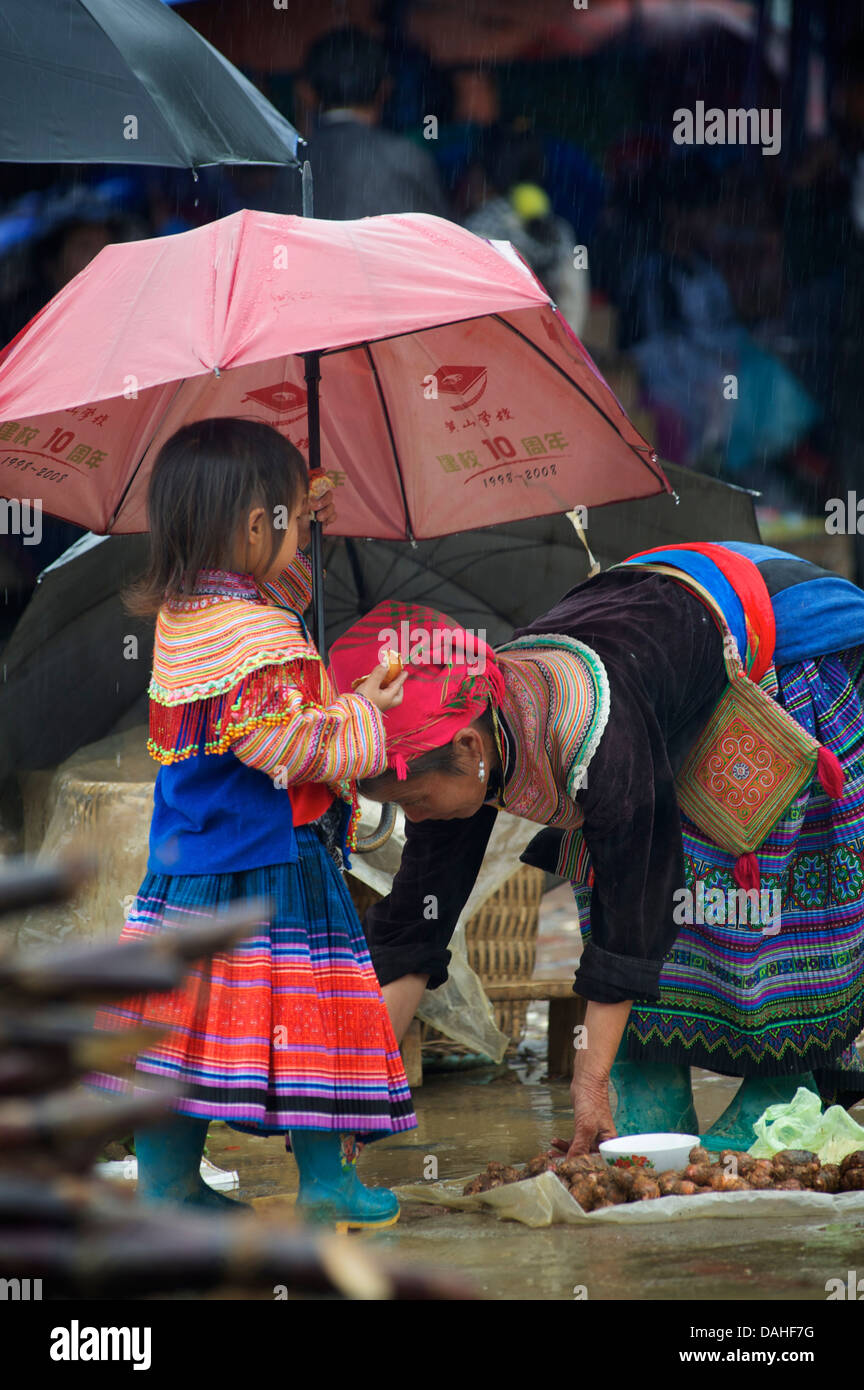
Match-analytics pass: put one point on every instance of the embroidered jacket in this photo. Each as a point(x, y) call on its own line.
point(234, 671)
point(570, 754)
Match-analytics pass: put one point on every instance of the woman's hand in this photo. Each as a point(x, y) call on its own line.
point(596, 1043)
point(592, 1118)
point(371, 687)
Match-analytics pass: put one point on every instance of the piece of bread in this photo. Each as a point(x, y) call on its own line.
point(394, 666)
point(319, 483)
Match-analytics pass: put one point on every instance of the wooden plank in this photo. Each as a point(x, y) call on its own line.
point(412, 1055)
point(516, 990)
point(565, 1015)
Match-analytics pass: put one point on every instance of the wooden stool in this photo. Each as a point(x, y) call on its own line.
point(566, 1012)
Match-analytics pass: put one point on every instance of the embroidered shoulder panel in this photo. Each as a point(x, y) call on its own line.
point(205, 647)
point(558, 700)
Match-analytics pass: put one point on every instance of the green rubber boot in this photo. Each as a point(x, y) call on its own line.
point(653, 1097)
point(734, 1128)
point(330, 1190)
point(169, 1166)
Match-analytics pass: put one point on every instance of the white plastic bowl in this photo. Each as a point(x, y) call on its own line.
point(651, 1151)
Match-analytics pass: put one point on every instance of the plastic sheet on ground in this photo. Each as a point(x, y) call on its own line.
point(459, 1008)
point(545, 1201)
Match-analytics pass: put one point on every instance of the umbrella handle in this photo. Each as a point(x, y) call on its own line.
point(378, 837)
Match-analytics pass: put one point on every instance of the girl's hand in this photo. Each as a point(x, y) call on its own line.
point(371, 688)
point(322, 509)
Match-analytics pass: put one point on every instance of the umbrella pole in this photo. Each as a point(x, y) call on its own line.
point(312, 362)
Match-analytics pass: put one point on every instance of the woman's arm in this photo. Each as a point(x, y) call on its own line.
point(589, 1090)
point(409, 930)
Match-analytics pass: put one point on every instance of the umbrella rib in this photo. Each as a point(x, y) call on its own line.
point(600, 411)
point(440, 579)
point(378, 387)
point(136, 470)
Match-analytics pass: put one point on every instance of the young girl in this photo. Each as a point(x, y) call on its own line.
point(288, 1032)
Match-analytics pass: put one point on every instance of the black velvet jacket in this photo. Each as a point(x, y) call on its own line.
point(663, 655)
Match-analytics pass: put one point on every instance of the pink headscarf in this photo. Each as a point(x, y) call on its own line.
point(453, 675)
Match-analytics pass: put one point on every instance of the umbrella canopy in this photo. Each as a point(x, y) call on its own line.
point(75, 621)
point(128, 82)
point(452, 393)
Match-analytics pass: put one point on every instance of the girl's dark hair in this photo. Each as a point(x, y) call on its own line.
point(444, 759)
point(206, 479)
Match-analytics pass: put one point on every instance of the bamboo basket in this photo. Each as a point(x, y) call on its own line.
point(501, 946)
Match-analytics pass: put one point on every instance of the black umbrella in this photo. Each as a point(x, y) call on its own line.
point(504, 576)
point(493, 579)
point(75, 622)
point(126, 82)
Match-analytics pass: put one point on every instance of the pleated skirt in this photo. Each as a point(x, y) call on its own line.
point(288, 1030)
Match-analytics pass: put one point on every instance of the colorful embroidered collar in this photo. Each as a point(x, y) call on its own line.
point(556, 706)
point(227, 584)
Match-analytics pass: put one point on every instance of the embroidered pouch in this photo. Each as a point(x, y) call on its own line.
point(746, 768)
point(751, 760)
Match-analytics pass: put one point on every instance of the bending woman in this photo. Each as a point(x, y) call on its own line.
point(582, 724)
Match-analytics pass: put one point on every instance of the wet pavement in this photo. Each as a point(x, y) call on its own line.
point(466, 1119)
point(510, 1112)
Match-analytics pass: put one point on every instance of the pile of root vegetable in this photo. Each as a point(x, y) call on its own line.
point(594, 1184)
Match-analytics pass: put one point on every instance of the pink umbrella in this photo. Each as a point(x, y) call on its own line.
point(452, 394)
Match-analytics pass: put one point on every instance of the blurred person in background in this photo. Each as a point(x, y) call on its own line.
point(360, 169)
point(511, 204)
point(720, 400)
point(55, 259)
point(677, 319)
point(849, 251)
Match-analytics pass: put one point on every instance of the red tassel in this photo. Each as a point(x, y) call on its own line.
point(829, 770)
point(746, 872)
point(401, 767)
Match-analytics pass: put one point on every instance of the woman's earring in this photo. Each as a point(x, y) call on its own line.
point(481, 771)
